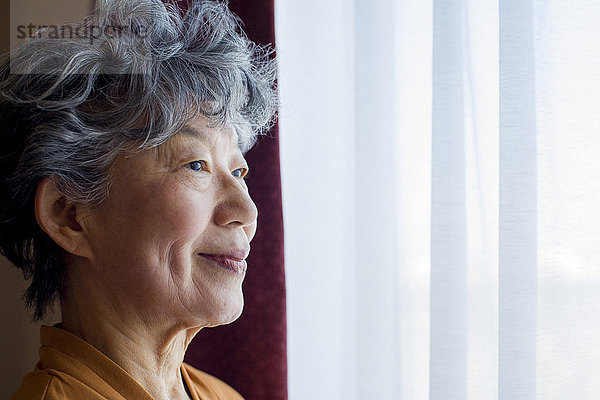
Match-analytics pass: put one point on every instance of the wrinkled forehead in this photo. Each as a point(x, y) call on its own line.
point(209, 134)
point(198, 135)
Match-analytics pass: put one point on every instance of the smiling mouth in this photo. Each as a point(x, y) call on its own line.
point(235, 265)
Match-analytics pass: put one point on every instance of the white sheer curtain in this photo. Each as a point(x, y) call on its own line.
point(441, 191)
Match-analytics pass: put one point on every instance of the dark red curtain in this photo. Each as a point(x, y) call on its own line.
point(250, 354)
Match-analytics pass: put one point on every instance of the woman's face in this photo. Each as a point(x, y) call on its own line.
point(171, 239)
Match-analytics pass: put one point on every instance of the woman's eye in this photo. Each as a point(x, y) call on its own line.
point(197, 165)
point(240, 172)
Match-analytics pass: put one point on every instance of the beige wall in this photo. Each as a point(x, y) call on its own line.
point(20, 338)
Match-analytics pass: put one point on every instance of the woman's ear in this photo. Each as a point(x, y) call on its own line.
point(62, 219)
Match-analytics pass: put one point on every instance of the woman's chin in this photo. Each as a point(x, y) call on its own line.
point(225, 313)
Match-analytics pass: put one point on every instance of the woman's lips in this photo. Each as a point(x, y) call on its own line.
point(236, 265)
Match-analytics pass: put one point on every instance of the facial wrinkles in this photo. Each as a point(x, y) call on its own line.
point(181, 279)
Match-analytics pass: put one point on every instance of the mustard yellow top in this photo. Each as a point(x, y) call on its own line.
point(70, 368)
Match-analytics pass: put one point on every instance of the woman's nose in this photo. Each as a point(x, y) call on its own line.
point(234, 204)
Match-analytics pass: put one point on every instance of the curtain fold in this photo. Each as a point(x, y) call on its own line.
point(448, 296)
point(375, 158)
point(518, 203)
point(441, 191)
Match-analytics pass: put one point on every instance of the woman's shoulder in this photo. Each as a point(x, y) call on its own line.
point(53, 385)
point(34, 387)
point(208, 386)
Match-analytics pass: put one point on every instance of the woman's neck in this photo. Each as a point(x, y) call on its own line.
point(150, 353)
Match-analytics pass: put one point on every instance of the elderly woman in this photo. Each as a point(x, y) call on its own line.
point(123, 195)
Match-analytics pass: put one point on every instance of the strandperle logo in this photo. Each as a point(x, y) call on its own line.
point(81, 32)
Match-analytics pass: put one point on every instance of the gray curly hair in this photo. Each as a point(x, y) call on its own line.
point(69, 106)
